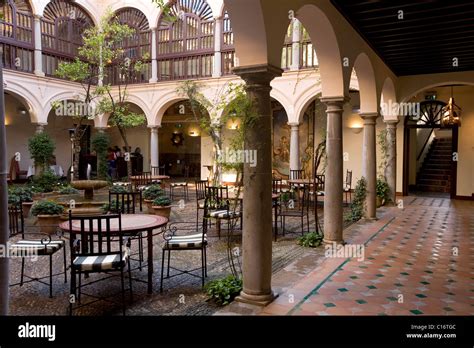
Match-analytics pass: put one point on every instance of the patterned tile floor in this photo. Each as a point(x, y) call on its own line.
point(417, 261)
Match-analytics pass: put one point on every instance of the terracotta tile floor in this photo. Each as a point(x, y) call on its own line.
point(417, 261)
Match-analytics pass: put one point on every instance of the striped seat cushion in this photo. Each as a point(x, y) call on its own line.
point(100, 263)
point(224, 214)
point(177, 184)
point(183, 242)
point(35, 247)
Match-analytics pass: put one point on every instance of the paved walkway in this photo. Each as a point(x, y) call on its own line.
point(416, 261)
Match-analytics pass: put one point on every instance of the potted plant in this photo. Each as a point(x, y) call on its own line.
point(41, 147)
point(68, 190)
point(382, 191)
point(150, 194)
point(48, 214)
point(162, 206)
point(23, 195)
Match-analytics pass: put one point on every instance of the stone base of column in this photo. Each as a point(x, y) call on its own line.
point(153, 80)
point(39, 73)
point(371, 219)
point(327, 241)
point(257, 300)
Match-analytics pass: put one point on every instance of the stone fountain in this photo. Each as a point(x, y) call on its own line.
point(89, 186)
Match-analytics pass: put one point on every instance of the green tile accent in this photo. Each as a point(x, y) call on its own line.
point(386, 265)
point(363, 267)
point(354, 277)
point(409, 264)
point(424, 283)
point(405, 273)
point(421, 296)
point(398, 284)
point(371, 258)
point(450, 293)
point(342, 289)
point(448, 309)
point(361, 301)
point(429, 272)
point(371, 287)
point(379, 275)
point(329, 305)
point(416, 311)
point(391, 298)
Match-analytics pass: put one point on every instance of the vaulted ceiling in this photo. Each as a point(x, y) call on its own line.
point(416, 37)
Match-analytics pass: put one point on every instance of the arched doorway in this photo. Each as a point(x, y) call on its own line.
point(183, 145)
point(429, 147)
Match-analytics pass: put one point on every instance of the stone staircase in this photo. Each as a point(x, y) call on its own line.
point(435, 173)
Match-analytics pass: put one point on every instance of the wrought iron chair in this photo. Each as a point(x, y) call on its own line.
point(295, 204)
point(184, 236)
point(32, 248)
point(218, 207)
point(143, 181)
point(348, 186)
point(296, 175)
point(155, 171)
point(201, 186)
point(176, 185)
point(125, 203)
point(97, 246)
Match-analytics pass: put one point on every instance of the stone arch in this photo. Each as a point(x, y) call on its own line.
point(165, 102)
point(367, 84)
point(326, 44)
point(284, 101)
point(305, 100)
point(150, 13)
point(85, 5)
point(60, 96)
point(26, 97)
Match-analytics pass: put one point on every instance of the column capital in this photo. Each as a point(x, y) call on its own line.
point(154, 128)
point(391, 123)
point(101, 129)
point(257, 76)
point(219, 18)
point(294, 124)
point(153, 28)
point(37, 17)
point(370, 118)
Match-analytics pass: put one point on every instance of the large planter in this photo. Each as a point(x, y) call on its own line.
point(26, 207)
point(162, 211)
point(149, 205)
point(89, 186)
point(49, 223)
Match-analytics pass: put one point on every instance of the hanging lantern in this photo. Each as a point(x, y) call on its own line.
point(451, 113)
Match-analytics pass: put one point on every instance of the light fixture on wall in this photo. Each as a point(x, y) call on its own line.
point(356, 127)
point(193, 133)
point(451, 113)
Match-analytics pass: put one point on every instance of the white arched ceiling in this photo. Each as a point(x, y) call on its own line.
point(367, 84)
point(326, 44)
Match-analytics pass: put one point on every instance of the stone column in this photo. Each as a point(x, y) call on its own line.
point(38, 47)
point(391, 168)
point(40, 127)
point(369, 164)
point(257, 218)
point(154, 57)
point(333, 212)
point(217, 71)
point(295, 64)
point(154, 151)
point(295, 146)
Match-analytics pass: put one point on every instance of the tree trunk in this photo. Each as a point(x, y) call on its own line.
point(123, 134)
point(78, 134)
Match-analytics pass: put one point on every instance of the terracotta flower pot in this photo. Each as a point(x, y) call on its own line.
point(49, 223)
point(26, 206)
point(149, 205)
point(162, 211)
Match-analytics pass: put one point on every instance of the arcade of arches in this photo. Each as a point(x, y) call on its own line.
point(317, 84)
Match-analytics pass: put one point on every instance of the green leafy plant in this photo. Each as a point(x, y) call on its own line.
point(162, 201)
point(111, 207)
point(46, 208)
point(118, 189)
point(358, 203)
point(310, 240)
point(383, 190)
point(223, 291)
point(100, 143)
point(41, 147)
point(68, 190)
point(152, 192)
point(45, 182)
point(17, 194)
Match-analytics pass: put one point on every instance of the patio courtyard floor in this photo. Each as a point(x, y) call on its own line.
point(407, 252)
